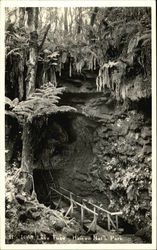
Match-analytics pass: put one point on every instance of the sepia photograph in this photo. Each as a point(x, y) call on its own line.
point(78, 125)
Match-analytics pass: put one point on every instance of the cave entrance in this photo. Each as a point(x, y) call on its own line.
point(43, 180)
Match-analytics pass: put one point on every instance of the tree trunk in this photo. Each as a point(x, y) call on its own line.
point(31, 26)
point(92, 20)
point(27, 150)
point(21, 78)
point(71, 20)
point(65, 20)
point(27, 164)
point(56, 20)
point(20, 22)
point(94, 16)
point(79, 20)
point(21, 14)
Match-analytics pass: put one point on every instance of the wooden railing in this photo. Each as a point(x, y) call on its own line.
point(94, 211)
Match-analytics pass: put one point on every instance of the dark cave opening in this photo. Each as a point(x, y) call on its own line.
point(65, 122)
point(13, 140)
point(52, 136)
point(43, 180)
point(65, 153)
point(144, 105)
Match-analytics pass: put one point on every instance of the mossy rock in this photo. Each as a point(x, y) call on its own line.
point(59, 225)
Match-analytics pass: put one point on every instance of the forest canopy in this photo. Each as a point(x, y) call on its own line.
point(74, 39)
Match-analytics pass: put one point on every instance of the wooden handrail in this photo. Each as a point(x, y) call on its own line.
point(70, 192)
point(94, 205)
point(102, 209)
point(83, 206)
point(77, 203)
point(117, 213)
point(60, 193)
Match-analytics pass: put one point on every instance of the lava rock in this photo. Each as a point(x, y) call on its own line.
point(21, 199)
point(141, 141)
point(69, 232)
point(146, 132)
point(147, 149)
point(32, 209)
point(135, 126)
point(9, 214)
point(23, 216)
point(144, 233)
point(36, 216)
point(59, 225)
point(33, 214)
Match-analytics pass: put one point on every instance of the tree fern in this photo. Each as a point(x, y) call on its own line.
point(42, 102)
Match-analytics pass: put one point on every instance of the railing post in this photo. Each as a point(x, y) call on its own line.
point(50, 197)
point(82, 216)
point(95, 219)
point(108, 221)
point(116, 221)
point(71, 202)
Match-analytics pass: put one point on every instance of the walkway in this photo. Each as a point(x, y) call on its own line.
point(112, 217)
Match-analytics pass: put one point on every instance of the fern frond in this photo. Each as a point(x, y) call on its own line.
point(42, 102)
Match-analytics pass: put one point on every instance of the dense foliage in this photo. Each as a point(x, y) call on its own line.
point(42, 102)
point(115, 41)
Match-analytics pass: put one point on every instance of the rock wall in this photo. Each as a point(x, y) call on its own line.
point(122, 168)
